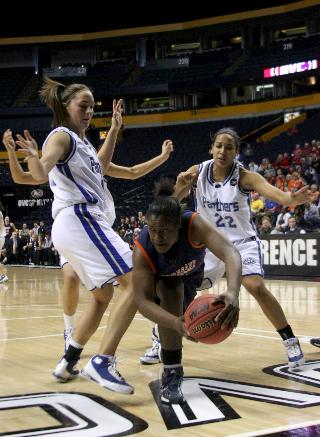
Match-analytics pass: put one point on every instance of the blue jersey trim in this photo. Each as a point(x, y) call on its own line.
point(100, 240)
point(65, 170)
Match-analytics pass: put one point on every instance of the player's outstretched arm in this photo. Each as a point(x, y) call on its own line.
point(57, 147)
point(254, 181)
point(139, 170)
point(19, 176)
point(106, 150)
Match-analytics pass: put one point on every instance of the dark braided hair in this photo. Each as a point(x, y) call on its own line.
point(164, 204)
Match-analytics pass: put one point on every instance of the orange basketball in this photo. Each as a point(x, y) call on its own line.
point(199, 319)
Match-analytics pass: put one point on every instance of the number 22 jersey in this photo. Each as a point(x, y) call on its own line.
point(225, 204)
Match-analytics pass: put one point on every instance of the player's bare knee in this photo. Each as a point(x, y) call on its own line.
point(258, 290)
point(103, 296)
point(125, 281)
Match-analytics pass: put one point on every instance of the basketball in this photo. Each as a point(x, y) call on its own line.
point(199, 319)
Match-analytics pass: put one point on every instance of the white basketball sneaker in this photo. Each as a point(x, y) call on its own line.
point(294, 352)
point(153, 355)
point(102, 369)
point(66, 370)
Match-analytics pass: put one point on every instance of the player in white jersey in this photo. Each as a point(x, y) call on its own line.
point(223, 197)
point(225, 204)
point(80, 230)
point(71, 281)
point(3, 276)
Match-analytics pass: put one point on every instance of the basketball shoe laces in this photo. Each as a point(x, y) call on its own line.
point(294, 351)
point(154, 350)
point(113, 369)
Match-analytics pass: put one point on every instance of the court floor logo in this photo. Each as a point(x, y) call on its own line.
point(308, 374)
point(82, 414)
point(204, 402)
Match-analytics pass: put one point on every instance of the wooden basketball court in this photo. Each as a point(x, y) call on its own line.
point(241, 387)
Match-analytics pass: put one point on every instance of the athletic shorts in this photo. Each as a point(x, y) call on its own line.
point(94, 250)
point(63, 261)
point(251, 257)
point(110, 219)
point(191, 283)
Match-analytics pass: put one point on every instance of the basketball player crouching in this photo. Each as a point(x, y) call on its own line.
point(168, 257)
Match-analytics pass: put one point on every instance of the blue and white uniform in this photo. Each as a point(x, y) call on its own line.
point(227, 206)
point(82, 212)
point(110, 215)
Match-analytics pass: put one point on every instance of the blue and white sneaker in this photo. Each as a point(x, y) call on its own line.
point(66, 370)
point(3, 278)
point(294, 352)
point(170, 389)
point(102, 369)
point(67, 335)
point(153, 354)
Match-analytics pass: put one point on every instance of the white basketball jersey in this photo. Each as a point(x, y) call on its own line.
point(111, 211)
point(78, 178)
point(225, 204)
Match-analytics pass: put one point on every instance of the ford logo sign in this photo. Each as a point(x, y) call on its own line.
point(37, 193)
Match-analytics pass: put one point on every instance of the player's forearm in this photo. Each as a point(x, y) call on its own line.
point(144, 168)
point(181, 192)
point(233, 266)
point(15, 167)
point(105, 153)
point(37, 169)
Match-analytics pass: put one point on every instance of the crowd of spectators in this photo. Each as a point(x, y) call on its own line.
point(33, 245)
point(129, 227)
point(28, 246)
point(289, 173)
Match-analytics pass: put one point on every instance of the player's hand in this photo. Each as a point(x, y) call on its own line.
point(182, 329)
point(184, 182)
point(29, 142)
point(167, 148)
point(28, 139)
point(8, 140)
point(229, 316)
point(301, 196)
point(186, 179)
point(117, 110)
point(28, 145)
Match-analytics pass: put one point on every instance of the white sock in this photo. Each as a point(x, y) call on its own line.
point(75, 344)
point(68, 321)
point(156, 329)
